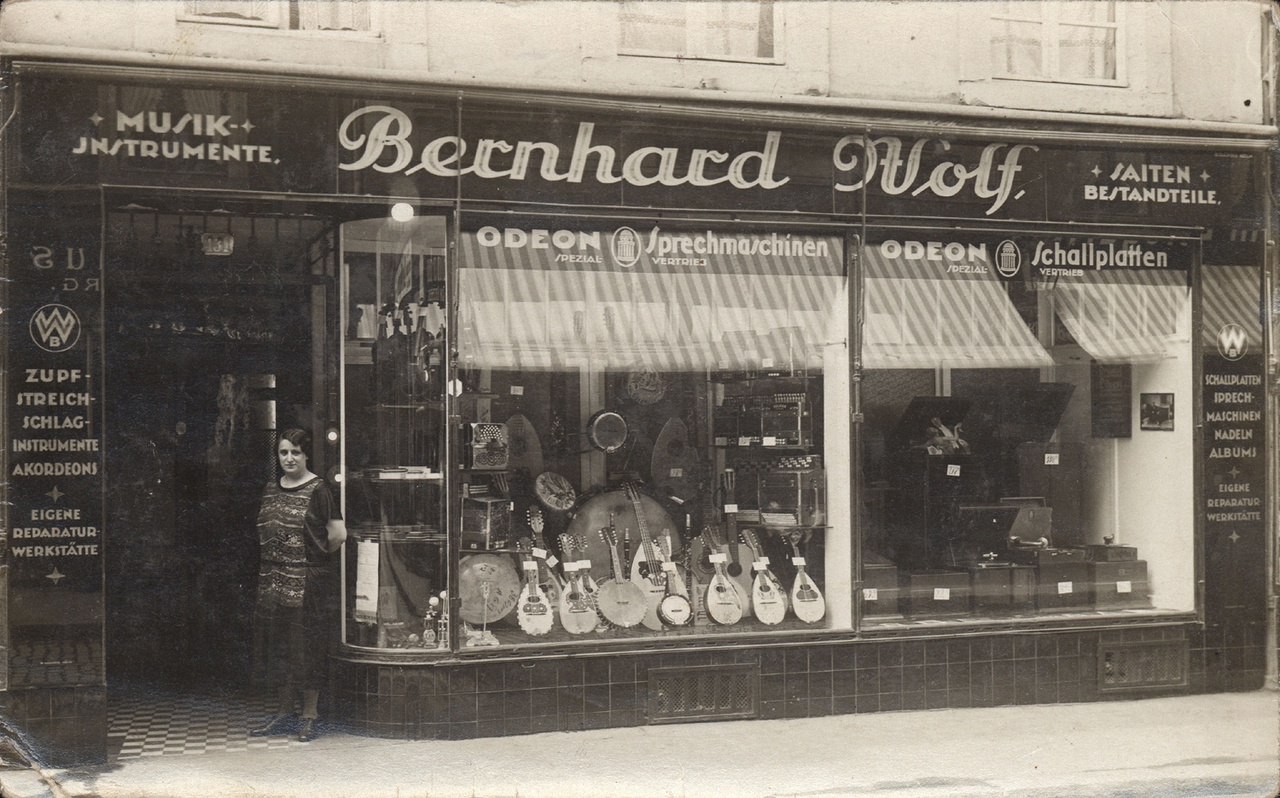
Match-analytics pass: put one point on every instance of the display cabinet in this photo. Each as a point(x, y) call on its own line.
point(394, 417)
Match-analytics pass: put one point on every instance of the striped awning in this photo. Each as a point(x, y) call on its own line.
point(919, 314)
point(1232, 295)
point(1126, 316)
point(521, 309)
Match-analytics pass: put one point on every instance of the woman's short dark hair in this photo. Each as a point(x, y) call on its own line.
point(298, 437)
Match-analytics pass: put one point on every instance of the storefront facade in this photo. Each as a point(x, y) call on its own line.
point(639, 413)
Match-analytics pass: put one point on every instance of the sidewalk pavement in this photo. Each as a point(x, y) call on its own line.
point(1204, 745)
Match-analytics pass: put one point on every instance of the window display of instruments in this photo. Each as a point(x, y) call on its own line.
point(783, 419)
point(488, 446)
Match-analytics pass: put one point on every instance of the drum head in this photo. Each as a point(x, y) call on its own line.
point(488, 586)
point(607, 431)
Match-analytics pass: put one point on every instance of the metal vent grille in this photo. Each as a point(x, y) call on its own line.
point(1146, 665)
point(713, 692)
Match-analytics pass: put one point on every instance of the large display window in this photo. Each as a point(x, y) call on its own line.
point(1029, 405)
point(649, 431)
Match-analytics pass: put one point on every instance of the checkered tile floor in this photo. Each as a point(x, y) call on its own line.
point(156, 722)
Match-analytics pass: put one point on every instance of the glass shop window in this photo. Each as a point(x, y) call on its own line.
point(393, 358)
point(1028, 441)
point(655, 434)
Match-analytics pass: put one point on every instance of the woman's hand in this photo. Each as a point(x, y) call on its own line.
point(337, 530)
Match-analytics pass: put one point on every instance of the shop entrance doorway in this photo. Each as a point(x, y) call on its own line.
point(208, 357)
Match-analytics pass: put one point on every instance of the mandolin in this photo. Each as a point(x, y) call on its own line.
point(724, 605)
point(768, 597)
point(533, 613)
point(577, 615)
point(571, 545)
point(620, 601)
point(646, 569)
point(806, 598)
point(737, 564)
point(548, 579)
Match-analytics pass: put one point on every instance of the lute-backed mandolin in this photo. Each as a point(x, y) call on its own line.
point(806, 599)
point(768, 597)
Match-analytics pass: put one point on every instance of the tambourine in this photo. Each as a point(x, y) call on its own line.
point(607, 431)
point(555, 491)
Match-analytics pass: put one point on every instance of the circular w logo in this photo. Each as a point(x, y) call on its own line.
point(55, 328)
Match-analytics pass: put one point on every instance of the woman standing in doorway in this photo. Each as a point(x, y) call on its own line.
point(299, 531)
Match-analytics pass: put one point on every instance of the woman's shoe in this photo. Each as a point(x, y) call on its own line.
point(278, 724)
point(309, 731)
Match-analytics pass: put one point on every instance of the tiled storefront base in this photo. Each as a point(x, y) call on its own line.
point(61, 726)
point(462, 700)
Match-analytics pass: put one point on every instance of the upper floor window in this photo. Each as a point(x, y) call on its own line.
point(740, 30)
point(348, 15)
point(1065, 42)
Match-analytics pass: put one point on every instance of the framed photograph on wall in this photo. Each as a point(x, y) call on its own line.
point(1157, 411)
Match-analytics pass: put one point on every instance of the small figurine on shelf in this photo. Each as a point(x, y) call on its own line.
point(442, 623)
point(429, 621)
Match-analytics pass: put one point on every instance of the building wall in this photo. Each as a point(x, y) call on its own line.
point(1181, 58)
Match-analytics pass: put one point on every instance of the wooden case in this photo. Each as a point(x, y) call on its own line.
point(1120, 585)
point(936, 593)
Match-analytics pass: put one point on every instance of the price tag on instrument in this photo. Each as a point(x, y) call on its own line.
point(1064, 588)
point(744, 441)
point(719, 556)
point(669, 566)
point(953, 470)
point(722, 441)
point(770, 440)
point(584, 565)
point(530, 565)
point(1051, 458)
point(571, 566)
point(764, 561)
point(541, 554)
point(757, 566)
point(517, 390)
point(942, 594)
point(870, 594)
point(552, 561)
point(731, 508)
point(676, 472)
point(1124, 586)
point(797, 561)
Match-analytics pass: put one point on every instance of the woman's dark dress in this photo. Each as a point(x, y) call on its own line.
point(297, 587)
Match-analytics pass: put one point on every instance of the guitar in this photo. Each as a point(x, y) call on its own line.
point(533, 613)
point(646, 569)
point(620, 601)
point(737, 565)
point(548, 579)
point(768, 597)
point(806, 598)
point(724, 605)
point(675, 609)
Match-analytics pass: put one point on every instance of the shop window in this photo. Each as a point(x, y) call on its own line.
point(1028, 441)
point(1066, 42)
point(397, 557)
point(340, 15)
point(650, 442)
point(728, 31)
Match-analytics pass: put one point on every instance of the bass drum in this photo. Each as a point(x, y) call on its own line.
point(594, 515)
